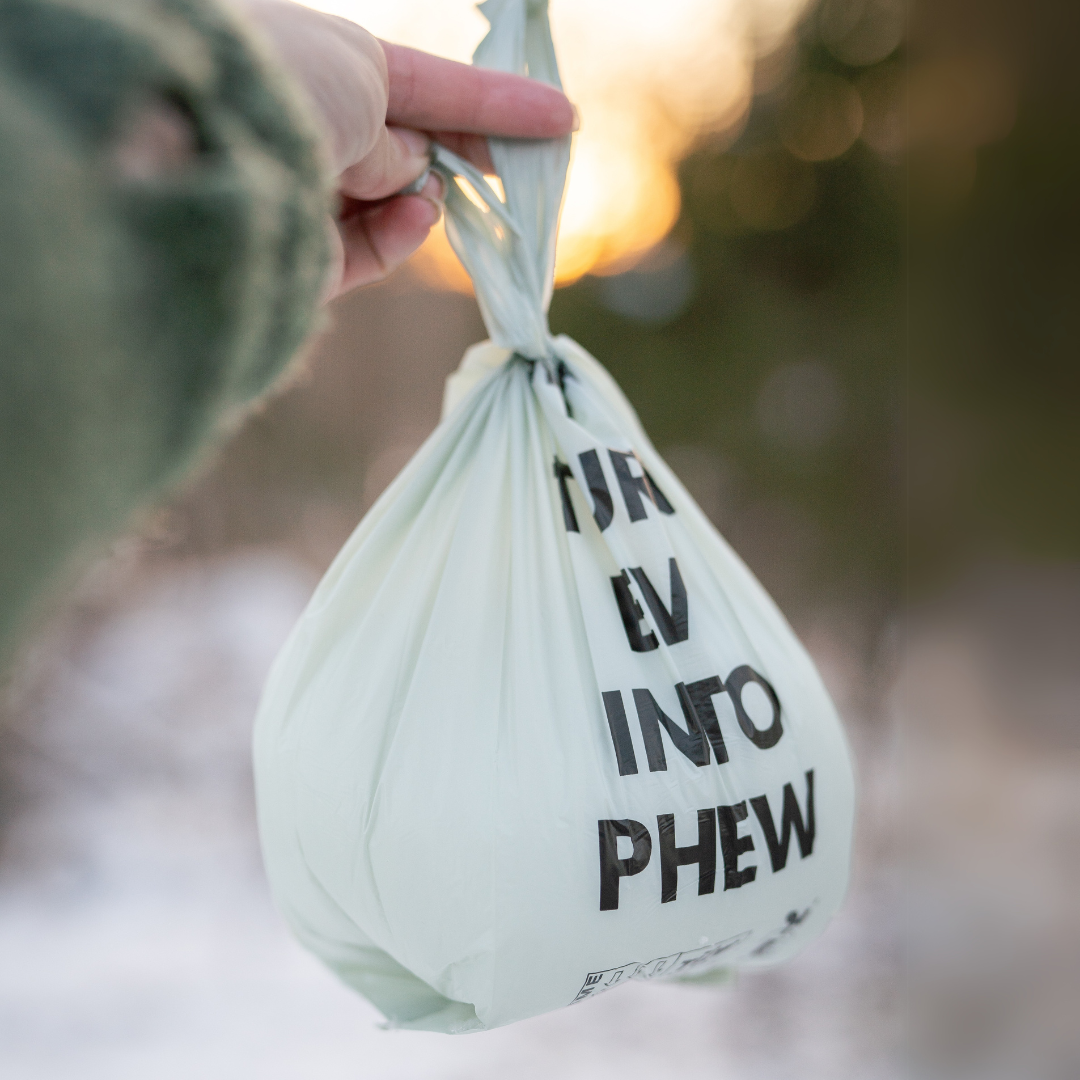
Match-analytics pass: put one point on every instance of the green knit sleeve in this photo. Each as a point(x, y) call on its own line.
point(139, 309)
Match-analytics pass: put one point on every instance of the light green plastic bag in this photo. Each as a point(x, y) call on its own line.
point(540, 732)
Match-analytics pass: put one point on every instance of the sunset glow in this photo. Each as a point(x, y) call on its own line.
point(649, 79)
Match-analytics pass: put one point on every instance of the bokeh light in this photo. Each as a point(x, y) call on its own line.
point(861, 32)
point(650, 80)
point(821, 118)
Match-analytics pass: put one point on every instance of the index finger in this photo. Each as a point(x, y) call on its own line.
point(431, 93)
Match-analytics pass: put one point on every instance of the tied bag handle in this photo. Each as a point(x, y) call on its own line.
point(508, 248)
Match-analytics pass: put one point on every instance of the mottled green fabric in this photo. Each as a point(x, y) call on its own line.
point(137, 316)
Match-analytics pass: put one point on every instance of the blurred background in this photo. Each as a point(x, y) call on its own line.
point(829, 250)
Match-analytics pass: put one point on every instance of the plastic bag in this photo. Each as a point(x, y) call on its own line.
point(539, 731)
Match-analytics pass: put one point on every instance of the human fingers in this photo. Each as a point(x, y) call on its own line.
point(430, 93)
point(377, 238)
point(472, 148)
point(398, 157)
point(340, 66)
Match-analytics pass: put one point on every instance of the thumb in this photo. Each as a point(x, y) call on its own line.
point(397, 158)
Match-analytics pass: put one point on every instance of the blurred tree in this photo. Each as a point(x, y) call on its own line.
point(871, 313)
point(776, 361)
point(995, 283)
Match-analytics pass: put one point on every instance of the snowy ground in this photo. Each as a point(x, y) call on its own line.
point(137, 939)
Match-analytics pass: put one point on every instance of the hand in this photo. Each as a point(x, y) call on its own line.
point(379, 104)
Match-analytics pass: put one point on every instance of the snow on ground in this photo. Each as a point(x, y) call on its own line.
point(138, 942)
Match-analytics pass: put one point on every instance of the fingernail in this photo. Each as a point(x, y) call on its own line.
point(435, 211)
point(418, 184)
point(435, 188)
point(432, 193)
point(577, 119)
point(416, 142)
point(332, 282)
